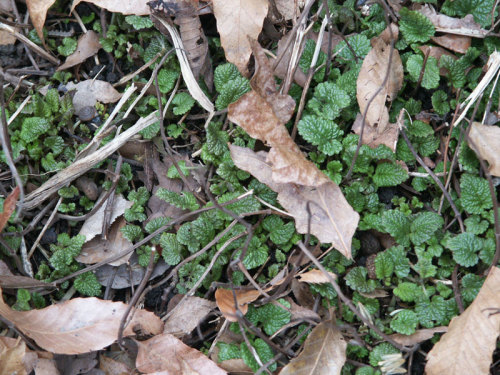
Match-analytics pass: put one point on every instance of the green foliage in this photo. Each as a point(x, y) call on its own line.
point(65, 251)
point(480, 9)
point(229, 84)
point(328, 100)
point(273, 317)
point(440, 103)
point(404, 322)
point(87, 285)
point(408, 292)
point(166, 80)
point(264, 352)
point(131, 232)
point(388, 174)
point(185, 200)
point(138, 22)
point(228, 351)
point(174, 173)
point(324, 134)
point(476, 197)
point(465, 247)
point(430, 311)
point(67, 47)
point(359, 44)
point(356, 279)
point(136, 212)
point(172, 249)
point(430, 79)
point(183, 102)
point(471, 284)
point(23, 298)
point(34, 127)
point(415, 27)
point(379, 351)
point(306, 59)
point(280, 233)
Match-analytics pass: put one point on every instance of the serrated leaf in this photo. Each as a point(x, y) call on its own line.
point(166, 80)
point(430, 79)
point(328, 100)
point(415, 27)
point(359, 44)
point(397, 225)
point(231, 91)
point(388, 174)
point(34, 127)
point(465, 247)
point(475, 194)
point(408, 292)
point(138, 22)
point(223, 74)
point(322, 133)
point(274, 317)
point(182, 103)
point(185, 200)
point(440, 103)
point(171, 249)
point(404, 322)
point(424, 226)
point(384, 265)
point(356, 279)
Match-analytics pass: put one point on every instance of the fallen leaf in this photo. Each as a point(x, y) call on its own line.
point(374, 137)
point(323, 354)
point(459, 26)
point(91, 91)
point(6, 6)
point(468, 346)
point(417, 337)
point(98, 249)
point(282, 68)
point(456, 43)
point(316, 277)
point(9, 205)
point(233, 366)
point(370, 79)
point(303, 294)
point(236, 21)
point(487, 140)
point(80, 325)
point(38, 12)
point(46, 366)
point(12, 358)
point(288, 8)
point(88, 45)
point(437, 52)
point(15, 282)
point(187, 315)
point(166, 354)
point(4, 269)
point(113, 367)
point(136, 7)
point(7, 38)
point(225, 301)
point(333, 220)
point(300, 313)
point(93, 225)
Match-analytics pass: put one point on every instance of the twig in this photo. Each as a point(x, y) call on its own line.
point(109, 203)
point(45, 227)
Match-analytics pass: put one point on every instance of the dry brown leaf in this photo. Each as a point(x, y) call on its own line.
point(46, 366)
point(437, 52)
point(98, 249)
point(12, 359)
point(136, 7)
point(456, 43)
point(91, 91)
point(323, 354)
point(225, 301)
point(7, 38)
point(187, 315)
point(14, 282)
point(282, 68)
point(9, 205)
point(166, 354)
point(237, 21)
point(38, 12)
point(468, 346)
point(288, 8)
point(316, 277)
point(93, 225)
point(80, 325)
point(333, 219)
point(301, 313)
point(487, 140)
point(374, 137)
point(370, 79)
point(112, 367)
point(417, 337)
point(88, 45)
point(459, 26)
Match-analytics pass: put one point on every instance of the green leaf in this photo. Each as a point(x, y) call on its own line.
point(360, 45)
point(87, 284)
point(356, 280)
point(231, 92)
point(475, 225)
point(380, 350)
point(480, 9)
point(228, 351)
point(68, 47)
point(440, 102)
point(182, 102)
point(397, 225)
point(264, 352)
point(424, 227)
point(465, 247)
point(131, 232)
point(420, 129)
point(216, 139)
point(431, 311)
point(384, 265)
point(185, 200)
point(166, 80)
point(408, 292)
point(470, 286)
point(401, 262)
point(430, 80)
point(171, 249)
point(328, 100)
point(138, 22)
point(388, 174)
point(476, 195)
point(34, 127)
point(405, 322)
point(174, 173)
point(223, 74)
point(306, 59)
point(322, 133)
point(274, 317)
point(55, 144)
point(415, 27)
point(256, 255)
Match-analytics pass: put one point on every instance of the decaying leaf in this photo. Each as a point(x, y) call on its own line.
point(38, 12)
point(166, 354)
point(90, 91)
point(80, 325)
point(323, 354)
point(12, 358)
point(98, 249)
point(136, 7)
point(93, 225)
point(468, 346)
point(374, 137)
point(487, 140)
point(15, 282)
point(315, 277)
point(9, 205)
point(113, 367)
point(417, 337)
point(225, 301)
point(456, 43)
point(371, 78)
point(333, 220)
point(88, 45)
point(236, 21)
point(45, 366)
point(459, 26)
point(187, 315)
point(262, 113)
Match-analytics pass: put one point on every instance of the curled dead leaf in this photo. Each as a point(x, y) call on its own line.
point(236, 21)
point(187, 315)
point(315, 277)
point(90, 91)
point(459, 26)
point(486, 139)
point(38, 12)
point(80, 325)
point(455, 43)
point(88, 45)
point(468, 346)
point(166, 354)
point(417, 337)
point(225, 301)
point(9, 205)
